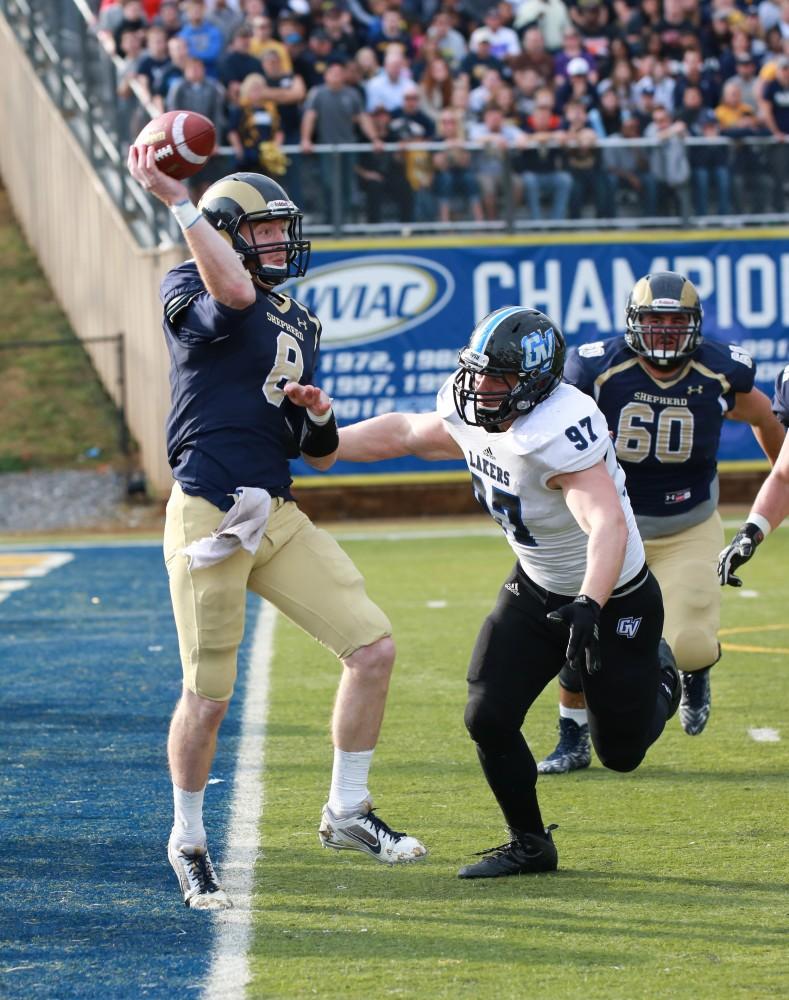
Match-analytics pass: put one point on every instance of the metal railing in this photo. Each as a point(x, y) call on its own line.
point(59, 37)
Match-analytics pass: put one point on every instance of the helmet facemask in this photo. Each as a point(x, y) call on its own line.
point(665, 345)
point(296, 249)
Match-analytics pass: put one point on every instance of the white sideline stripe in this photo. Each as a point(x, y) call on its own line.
point(765, 735)
point(229, 971)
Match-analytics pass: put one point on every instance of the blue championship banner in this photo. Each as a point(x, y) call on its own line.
point(396, 312)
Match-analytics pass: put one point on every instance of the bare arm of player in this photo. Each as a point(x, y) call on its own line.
point(755, 409)
point(393, 435)
point(594, 503)
point(772, 500)
point(223, 274)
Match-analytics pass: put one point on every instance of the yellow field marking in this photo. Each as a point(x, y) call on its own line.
point(27, 564)
point(737, 648)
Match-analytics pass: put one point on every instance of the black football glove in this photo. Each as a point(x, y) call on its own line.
point(582, 617)
point(737, 553)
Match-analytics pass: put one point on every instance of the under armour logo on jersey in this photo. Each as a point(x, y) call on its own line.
point(538, 349)
point(302, 323)
point(513, 588)
point(694, 388)
point(628, 627)
point(488, 453)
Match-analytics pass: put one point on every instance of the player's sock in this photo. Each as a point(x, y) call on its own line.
point(188, 826)
point(349, 781)
point(578, 715)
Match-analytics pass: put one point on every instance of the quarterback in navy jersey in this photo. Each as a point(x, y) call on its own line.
point(771, 504)
point(242, 360)
point(543, 466)
point(665, 393)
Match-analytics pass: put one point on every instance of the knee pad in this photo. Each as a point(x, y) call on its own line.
point(570, 680)
point(695, 647)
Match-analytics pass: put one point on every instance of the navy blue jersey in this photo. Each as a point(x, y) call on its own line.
point(230, 424)
point(781, 397)
point(666, 433)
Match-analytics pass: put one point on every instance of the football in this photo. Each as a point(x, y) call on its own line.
point(182, 140)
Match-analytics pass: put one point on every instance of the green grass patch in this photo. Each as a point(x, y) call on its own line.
point(55, 412)
point(672, 880)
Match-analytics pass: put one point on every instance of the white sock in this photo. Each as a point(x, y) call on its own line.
point(349, 781)
point(578, 715)
point(188, 829)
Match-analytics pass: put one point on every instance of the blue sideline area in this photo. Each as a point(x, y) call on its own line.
point(90, 672)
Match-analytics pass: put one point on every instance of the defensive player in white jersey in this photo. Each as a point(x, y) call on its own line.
point(543, 465)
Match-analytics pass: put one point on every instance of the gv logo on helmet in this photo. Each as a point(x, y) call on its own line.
point(374, 296)
point(538, 350)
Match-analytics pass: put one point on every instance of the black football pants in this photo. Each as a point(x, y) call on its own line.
point(518, 652)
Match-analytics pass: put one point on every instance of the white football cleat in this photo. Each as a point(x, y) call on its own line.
point(197, 878)
point(366, 832)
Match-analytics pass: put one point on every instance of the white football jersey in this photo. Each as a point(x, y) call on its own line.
point(510, 471)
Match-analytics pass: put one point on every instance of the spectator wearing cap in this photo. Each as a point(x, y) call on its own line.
point(237, 62)
point(334, 113)
point(572, 48)
point(315, 60)
point(204, 39)
point(129, 15)
point(710, 168)
point(450, 43)
point(577, 87)
point(263, 40)
point(389, 29)
point(745, 76)
point(543, 173)
point(387, 87)
point(551, 16)
point(475, 64)
point(504, 42)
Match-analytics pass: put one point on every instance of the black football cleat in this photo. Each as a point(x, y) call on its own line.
point(670, 682)
point(525, 854)
point(694, 709)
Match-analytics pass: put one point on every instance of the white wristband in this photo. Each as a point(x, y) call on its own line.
point(324, 418)
point(760, 521)
point(186, 214)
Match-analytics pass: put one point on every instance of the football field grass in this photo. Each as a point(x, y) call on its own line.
point(672, 880)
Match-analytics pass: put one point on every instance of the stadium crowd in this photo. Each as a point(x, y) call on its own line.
point(543, 91)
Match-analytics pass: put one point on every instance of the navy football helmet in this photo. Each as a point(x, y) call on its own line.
point(668, 345)
point(249, 198)
point(513, 341)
